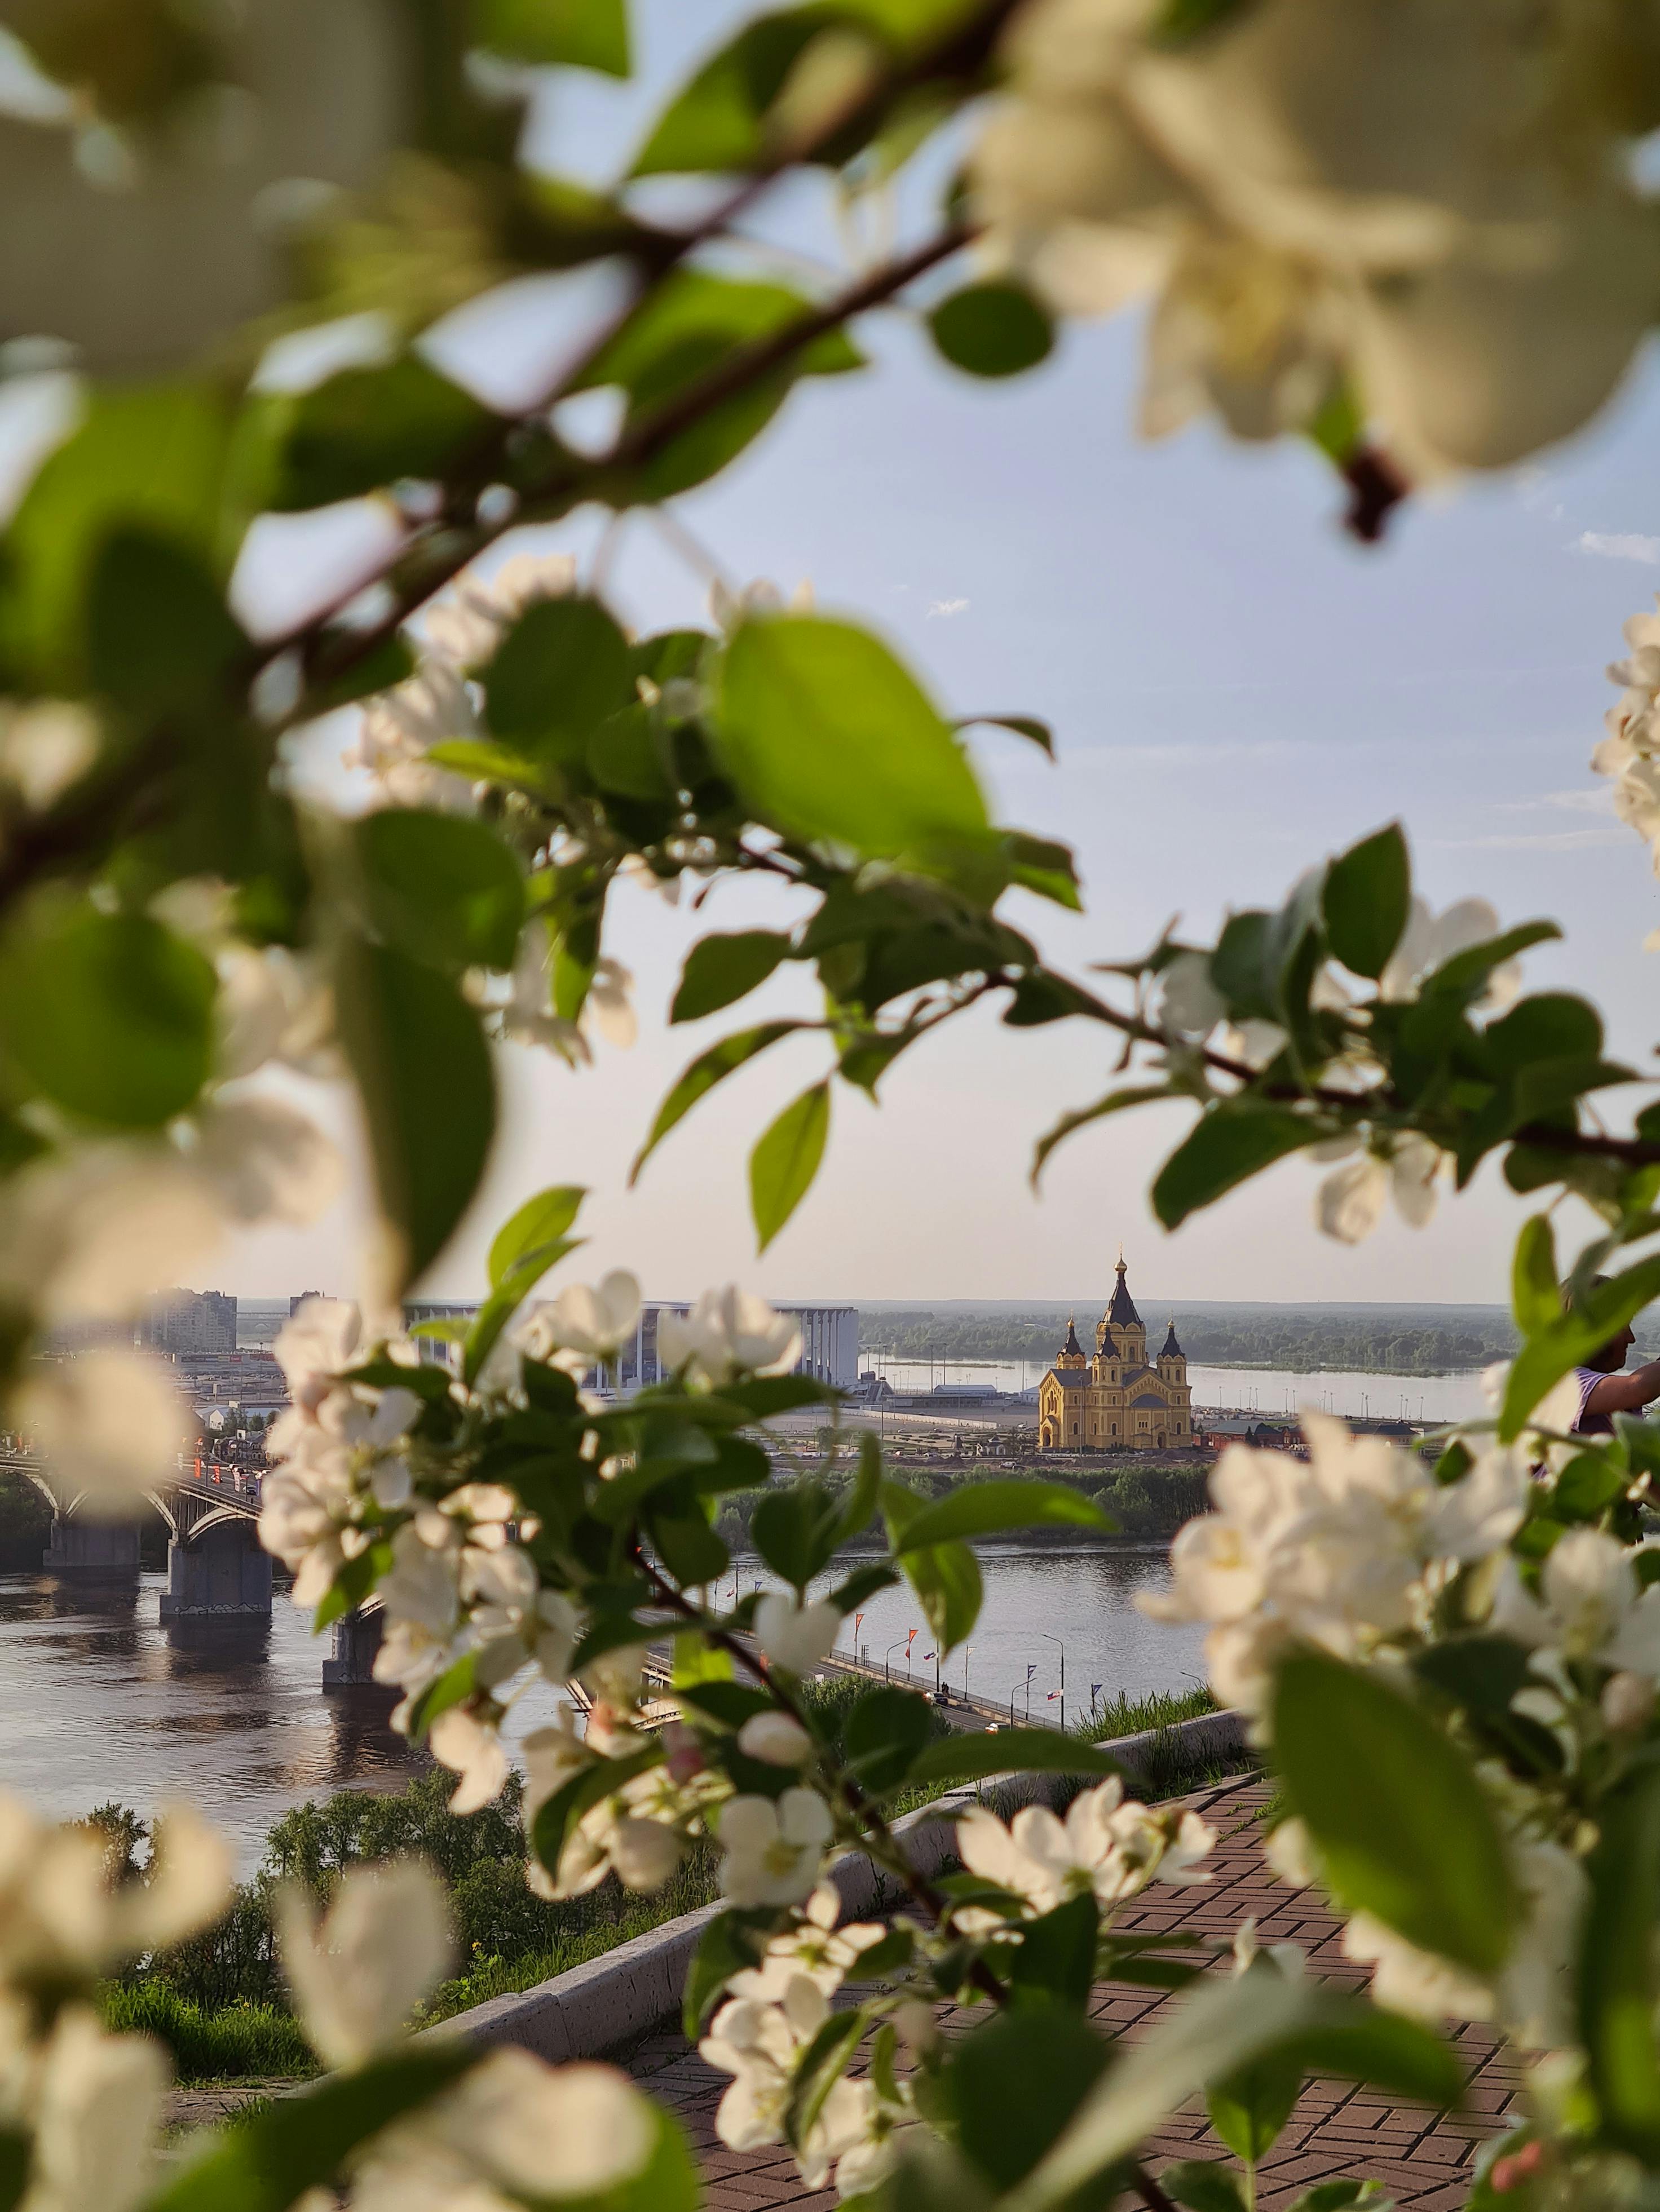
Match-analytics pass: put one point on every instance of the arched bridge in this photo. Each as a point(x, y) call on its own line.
point(217, 1571)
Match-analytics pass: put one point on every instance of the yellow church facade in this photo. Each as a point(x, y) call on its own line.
point(1117, 1401)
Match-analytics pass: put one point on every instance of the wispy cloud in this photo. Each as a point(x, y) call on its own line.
point(1618, 546)
point(1542, 841)
point(948, 607)
point(1581, 799)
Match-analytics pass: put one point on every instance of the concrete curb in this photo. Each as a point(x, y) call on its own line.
point(622, 1994)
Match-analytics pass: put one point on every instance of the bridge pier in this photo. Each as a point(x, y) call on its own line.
point(221, 1575)
point(357, 1639)
point(92, 1547)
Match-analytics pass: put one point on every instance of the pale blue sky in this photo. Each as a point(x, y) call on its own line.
point(1236, 690)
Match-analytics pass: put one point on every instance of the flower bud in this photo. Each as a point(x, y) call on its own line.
point(1627, 1701)
point(774, 1738)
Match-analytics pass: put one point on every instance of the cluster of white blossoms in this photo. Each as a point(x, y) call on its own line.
point(772, 2012)
point(727, 1334)
point(457, 1586)
point(1418, 214)
point(439, 704)
point(1344, 1549)
point(1108, 1846)
point(1379, 1164)
point(92, 1229)
point(90, 2102)
point(513, 2126)
point(1630, 753)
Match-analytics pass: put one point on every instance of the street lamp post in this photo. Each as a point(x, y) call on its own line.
point(968, 1654)
point(887, 1669)
point(1061, 1649)
point(1031, 1671)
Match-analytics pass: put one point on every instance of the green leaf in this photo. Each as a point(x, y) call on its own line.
point(1055, 1963)
point(986, 1508)
point(441, 886)
point(367, 427)
point(429, 1139)
point(1366, 900)
point(149, 458)
point(1203, 2184)
point(1250, 2109)
point(722, 1952)
point(1465, 975)
point(828, 736)
point(971, 1757)
point(885, 1731)
point(1536, 1294)
point(724, 968)
point(16, 2154)
point(541, 1221)
point(352, 1583)
point(483, 764)
point(563, 669)
point(1572, 1337)
point(796, 1530)
point(1012, 2086)
point(1143, 1094)
point(297, 2143)
point(109, 1014)
point(453, 1687)
point(686, 329)
point(1617, 1981)
point(700, 1077)
point(1403, 1828)
point(946, 1578)
point(993, 328)
point(717, 120)
point(1546, 1025)
point(818, 2070)
point(1184, 21)
point(785, 1161)
point(158, 639)
point(1231, 1142)
point(867, 1491)
point(1340, 427)
point(1023, 726)
point(590, 34)
point(505, 1300)
point(382, 668)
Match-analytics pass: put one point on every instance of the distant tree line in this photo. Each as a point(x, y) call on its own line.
point(1301, 1342)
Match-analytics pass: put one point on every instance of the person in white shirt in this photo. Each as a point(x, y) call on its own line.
point(1604, 1391)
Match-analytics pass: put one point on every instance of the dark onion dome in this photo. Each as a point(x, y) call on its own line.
point(1071, 1343)
point(1172, 1349)
point(1123, 1309)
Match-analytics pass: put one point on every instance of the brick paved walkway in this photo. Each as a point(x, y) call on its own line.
point(1422, 2158)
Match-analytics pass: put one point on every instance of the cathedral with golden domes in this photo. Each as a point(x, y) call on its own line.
point(1117, 1401)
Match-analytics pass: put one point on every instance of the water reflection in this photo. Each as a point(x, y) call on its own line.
point(97, 1701)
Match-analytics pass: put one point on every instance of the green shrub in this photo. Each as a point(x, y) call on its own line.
point(228, 2043)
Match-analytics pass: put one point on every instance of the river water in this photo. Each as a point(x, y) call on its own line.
point(1267, 1390)
point(98, 1701)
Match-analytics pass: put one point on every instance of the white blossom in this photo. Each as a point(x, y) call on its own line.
point(1107, 1847)
point(777, 1739)
point(1593, 1606)
point(793, 1634)
point(1350, 1204)
point(1189, 1004)
point(267, 1161)
point(729, 1333)
point(470, 1747)
point(45, 747)
point(356, 1974)
point(1429, 941)
point(759, 2045)
point(814, 1946)
point(773, 1848)
point(94, 1233)
point(595, 1320)
point(1341, 1549)
point(97, 2119)
point(108, 1422)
